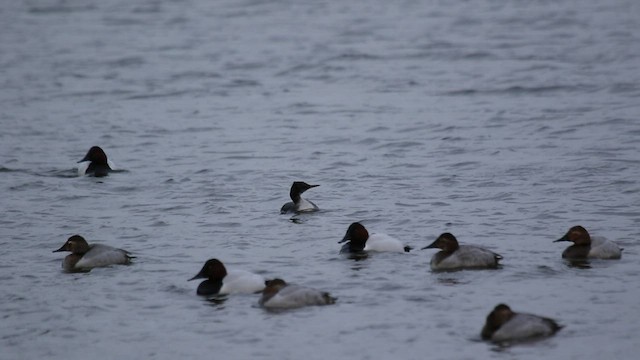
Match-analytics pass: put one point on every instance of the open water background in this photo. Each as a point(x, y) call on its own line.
point(504, 123)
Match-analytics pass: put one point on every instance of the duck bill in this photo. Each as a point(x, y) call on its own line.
point(564, 238)
point(345, 238)
point(85, 158)
point(200, 275)
point(61, 249)
point(312, 186)
point(432, 246)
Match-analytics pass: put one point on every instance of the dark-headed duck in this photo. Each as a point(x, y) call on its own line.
point(505, 325)
point(358, 240)
point(219, 281)
point(587, 247)
point(456, 257)
point(94, 163)
point(299, 204)
point(84, 257)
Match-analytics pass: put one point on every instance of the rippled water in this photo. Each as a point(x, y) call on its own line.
point(504, 123)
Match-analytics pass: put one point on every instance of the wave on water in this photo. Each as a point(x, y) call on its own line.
point(523, 90)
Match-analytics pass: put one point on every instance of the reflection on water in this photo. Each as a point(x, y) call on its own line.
point(578, 264)
point(449, 281)
point(217, 301)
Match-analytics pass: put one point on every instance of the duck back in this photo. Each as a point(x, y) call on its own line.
point(383, 242)
point(525, 326)
point(293, 296)
point(103, 255)
point(602, 248)
point(241, 281)
point(465, 257)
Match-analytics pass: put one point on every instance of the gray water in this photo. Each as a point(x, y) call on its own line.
point(504, 123)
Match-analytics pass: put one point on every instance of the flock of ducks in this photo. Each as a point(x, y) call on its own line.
point(502, 324)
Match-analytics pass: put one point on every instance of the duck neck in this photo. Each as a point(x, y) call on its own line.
point(295, 196)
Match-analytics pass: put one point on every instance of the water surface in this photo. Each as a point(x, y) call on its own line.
point(503, 123)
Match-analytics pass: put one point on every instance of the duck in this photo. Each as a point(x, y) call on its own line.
point(505, 325)
point(221, 282)
point(85, 257)
point(457, 257)
point(299, 204)
point(587, 247)
point(95, 163)
point(358, 240)
point(278, 294)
